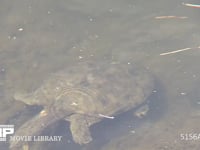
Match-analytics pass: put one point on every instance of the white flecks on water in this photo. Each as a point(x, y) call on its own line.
point(183, 93)
point(20, 29)
point(91, 19)
point(132, 131)
point(74, 104)
point(80, 57)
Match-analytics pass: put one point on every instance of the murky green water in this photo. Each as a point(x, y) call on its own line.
point(41, 37)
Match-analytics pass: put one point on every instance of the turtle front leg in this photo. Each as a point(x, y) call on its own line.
point(79, 127)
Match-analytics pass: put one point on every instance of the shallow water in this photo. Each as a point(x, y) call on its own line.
point(38, 38)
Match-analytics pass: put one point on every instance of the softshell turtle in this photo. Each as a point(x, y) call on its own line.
point(84, 94)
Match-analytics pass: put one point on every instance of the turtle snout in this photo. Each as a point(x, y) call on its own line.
point(22, 97)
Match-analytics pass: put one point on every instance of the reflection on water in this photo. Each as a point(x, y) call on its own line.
point(38, 38)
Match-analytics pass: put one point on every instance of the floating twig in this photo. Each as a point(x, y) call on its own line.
point(191, 5)
point(171, 17)
point(176, 51)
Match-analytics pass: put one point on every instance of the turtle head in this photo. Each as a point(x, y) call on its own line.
point(29, 99)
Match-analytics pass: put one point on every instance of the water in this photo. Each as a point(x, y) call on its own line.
point(38, 38)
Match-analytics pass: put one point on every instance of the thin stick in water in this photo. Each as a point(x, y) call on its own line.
point(176, 51)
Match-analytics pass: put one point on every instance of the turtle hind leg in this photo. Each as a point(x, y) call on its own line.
point(32, 127)
point(79, 127)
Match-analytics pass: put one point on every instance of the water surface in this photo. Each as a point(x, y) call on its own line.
point(41, 37)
